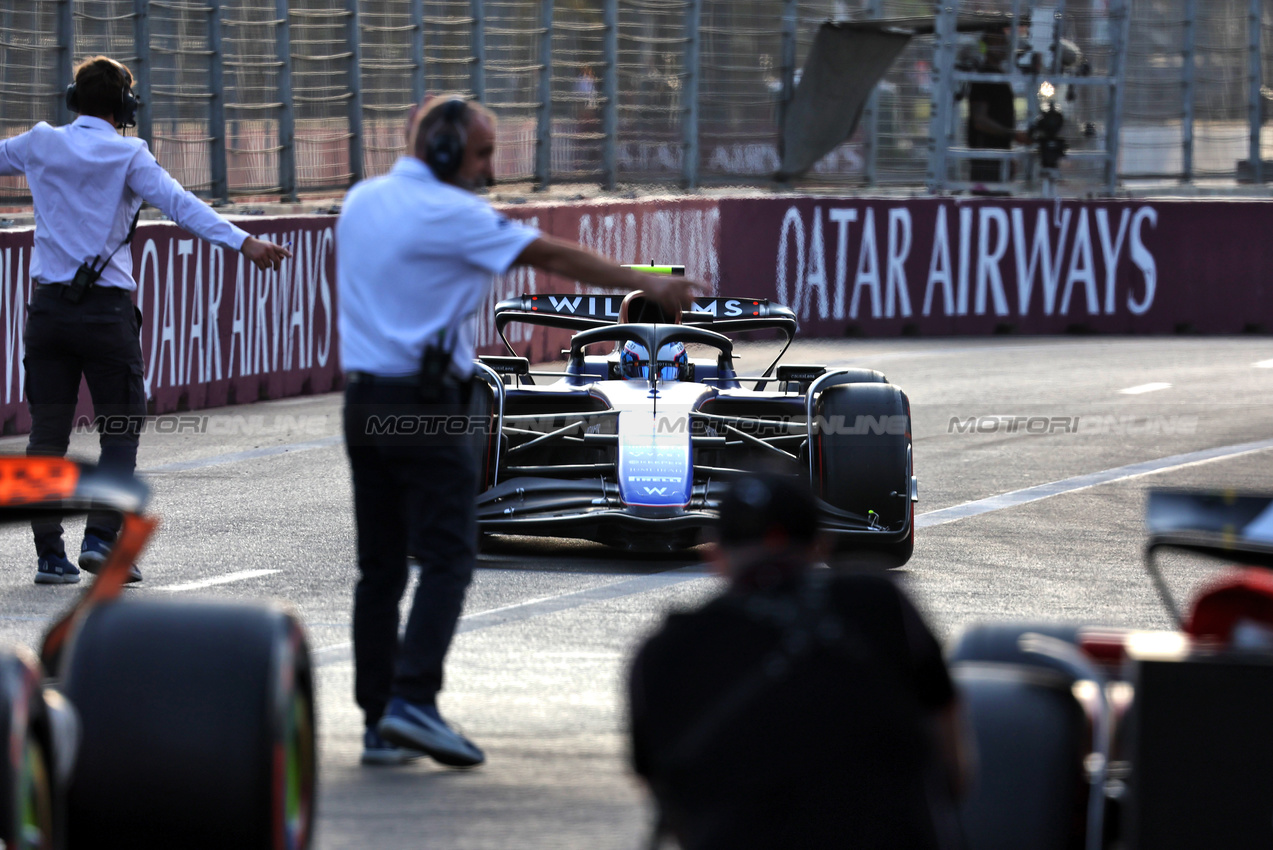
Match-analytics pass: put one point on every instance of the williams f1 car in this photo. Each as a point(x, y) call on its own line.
point(634, 442)
point(145, 723)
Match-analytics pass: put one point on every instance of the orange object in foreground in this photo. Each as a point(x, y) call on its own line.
point(110, 582)
point(24, 480)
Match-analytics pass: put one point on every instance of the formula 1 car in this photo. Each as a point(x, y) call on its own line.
point(1098, 737)
point(633, 445)
point(146, 723)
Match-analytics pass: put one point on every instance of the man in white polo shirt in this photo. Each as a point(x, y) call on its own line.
point(87, 183)
point(417, 251)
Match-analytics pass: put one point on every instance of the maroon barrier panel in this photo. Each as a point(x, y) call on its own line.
point(940, 266)
point(217, 331)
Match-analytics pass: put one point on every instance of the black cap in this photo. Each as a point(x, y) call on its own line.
point(764, 506)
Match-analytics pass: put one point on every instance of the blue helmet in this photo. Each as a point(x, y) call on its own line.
point(673, 362)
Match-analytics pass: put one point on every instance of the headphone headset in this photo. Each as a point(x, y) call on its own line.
point(444, 151)
point(125, 113)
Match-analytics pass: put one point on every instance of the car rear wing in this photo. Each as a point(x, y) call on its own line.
point(586, 311)
point(581, 312)
point(1224, 523)
point(1235, 527)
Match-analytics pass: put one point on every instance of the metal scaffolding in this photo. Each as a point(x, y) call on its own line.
point(284, 98)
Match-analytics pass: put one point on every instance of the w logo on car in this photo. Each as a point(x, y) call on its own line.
point(656, 491)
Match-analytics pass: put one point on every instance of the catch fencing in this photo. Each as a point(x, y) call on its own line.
point(287, 98)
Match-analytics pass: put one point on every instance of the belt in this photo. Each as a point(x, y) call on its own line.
point(57, 288)
point(383, 380)
point(412, 380)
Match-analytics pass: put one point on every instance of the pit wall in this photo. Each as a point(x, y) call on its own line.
point(218, 331)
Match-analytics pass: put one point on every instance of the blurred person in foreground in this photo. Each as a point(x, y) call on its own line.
point(87, 184)
point(799, 708)
point(417, 252)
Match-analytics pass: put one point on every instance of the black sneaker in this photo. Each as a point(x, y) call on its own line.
point(420, 727)
point(56, 569)
point(93, 553)
point(378, 752)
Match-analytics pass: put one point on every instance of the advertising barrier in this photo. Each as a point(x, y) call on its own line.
point(942, 267)
point(218, 331)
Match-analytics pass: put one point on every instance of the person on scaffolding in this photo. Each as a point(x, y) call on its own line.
point(992, 119)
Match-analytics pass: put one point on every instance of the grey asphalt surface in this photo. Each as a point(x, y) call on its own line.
point(536, 674)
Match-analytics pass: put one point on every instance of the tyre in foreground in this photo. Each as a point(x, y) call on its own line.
point(198, 727)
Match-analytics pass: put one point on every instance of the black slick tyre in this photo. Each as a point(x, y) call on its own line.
point(861, 458)
point(197, 728)
point(1031, 736)
point(863, 376)
point(1000, 643)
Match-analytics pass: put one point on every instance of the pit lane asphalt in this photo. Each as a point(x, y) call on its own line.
point(536, 674)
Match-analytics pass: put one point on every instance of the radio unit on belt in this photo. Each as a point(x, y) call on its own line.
point(437, 375)
point(89, 271)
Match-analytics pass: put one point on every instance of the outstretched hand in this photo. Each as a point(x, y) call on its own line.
point(672, 293)
point(264, 255)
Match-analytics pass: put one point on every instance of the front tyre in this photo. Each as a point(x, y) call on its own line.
point(861, 461)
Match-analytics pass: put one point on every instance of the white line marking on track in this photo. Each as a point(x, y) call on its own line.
point(1082, 482)
point(341, 652)
point(547, 605)
point(1145, 388)
point(242, 575)
point(1263, 364)
point(250, 454)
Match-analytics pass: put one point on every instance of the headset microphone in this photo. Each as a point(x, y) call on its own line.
point(125, 113)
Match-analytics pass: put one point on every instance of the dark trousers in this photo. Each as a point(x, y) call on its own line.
point(414, 494)
point(99, 340)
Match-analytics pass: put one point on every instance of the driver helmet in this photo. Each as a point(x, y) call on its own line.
point(673, 361)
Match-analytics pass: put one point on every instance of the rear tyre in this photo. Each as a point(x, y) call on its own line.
point(999, 643)
point(198, 728)
point(1031, 737)
point(862, 459)
point(864, 376)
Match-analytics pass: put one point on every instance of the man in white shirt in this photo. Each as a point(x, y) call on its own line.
point(87, 183)
point(417, 251)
